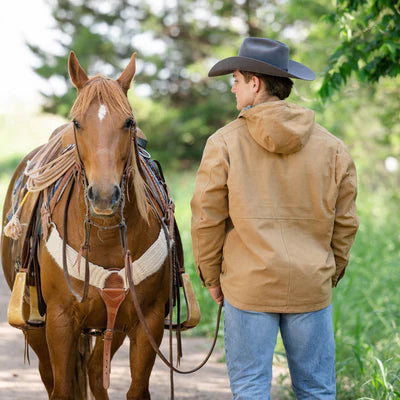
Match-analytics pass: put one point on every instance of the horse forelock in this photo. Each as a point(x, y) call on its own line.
point(106, 91)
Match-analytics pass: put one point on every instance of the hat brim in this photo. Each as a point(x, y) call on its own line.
point(228, 65)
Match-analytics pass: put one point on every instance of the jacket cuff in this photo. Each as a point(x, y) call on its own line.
point(207, 281)
point(340, 270)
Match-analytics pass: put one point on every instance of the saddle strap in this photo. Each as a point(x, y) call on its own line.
point(113, 295)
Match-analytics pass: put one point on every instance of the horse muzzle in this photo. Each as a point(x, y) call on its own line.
point(104, 202)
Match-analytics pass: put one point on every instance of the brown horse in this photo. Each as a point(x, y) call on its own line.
point(103, 134)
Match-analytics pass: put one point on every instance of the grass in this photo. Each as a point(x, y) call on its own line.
point(366, 303)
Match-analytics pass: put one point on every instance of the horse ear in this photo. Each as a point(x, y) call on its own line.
point(127, 75)
point(76, 72)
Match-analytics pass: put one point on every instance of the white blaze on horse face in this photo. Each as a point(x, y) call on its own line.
point(102, 112)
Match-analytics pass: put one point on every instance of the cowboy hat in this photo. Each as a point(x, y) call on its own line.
point(263, 56)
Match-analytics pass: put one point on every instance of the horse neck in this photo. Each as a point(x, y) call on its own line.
point(141, 233)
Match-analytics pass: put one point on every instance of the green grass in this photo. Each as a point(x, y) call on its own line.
point(366, 303)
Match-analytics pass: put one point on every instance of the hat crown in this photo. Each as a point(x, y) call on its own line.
point(266, 50)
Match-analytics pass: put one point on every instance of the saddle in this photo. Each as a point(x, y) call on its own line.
point(27, 308)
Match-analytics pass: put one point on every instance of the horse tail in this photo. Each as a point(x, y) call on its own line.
point(81, 382)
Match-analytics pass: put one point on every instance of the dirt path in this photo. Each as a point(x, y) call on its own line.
point(21, 382)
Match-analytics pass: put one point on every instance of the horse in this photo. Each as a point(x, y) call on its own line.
point(103, 217)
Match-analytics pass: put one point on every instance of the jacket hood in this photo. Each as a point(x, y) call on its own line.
point(278, 126)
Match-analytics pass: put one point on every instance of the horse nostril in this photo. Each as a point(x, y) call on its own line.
point(116, 195)
point(90, 193)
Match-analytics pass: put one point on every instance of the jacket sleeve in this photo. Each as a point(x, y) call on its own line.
point(346, 219)
point(210, 211)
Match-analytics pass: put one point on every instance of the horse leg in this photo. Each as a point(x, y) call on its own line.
point(62, 341)
point(95, 367)
point(37, 340)
point(142, 355)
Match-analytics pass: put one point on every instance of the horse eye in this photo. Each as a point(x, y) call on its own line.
point(77, 124)
point(128, 123)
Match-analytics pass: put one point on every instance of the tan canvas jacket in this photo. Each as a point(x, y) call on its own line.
point(273, 210)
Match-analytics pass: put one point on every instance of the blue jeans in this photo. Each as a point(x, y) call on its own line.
point(250, 339)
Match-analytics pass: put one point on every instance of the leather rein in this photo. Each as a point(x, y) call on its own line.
point(168, 230)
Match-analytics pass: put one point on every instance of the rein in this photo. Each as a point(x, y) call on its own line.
point(169, 235)
point(168, 231)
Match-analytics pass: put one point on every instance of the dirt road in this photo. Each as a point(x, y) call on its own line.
point(21, 382)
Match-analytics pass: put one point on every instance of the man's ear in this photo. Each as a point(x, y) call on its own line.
point(256, 83)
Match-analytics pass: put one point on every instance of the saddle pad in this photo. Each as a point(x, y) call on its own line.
point(147, 264)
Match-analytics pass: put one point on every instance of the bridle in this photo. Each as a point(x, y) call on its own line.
point(89, 222)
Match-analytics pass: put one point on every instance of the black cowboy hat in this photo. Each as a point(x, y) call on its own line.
point(263, 56)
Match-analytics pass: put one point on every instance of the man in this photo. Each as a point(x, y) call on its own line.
point(273, 221)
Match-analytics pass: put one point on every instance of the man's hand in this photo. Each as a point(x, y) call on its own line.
point(216, 294)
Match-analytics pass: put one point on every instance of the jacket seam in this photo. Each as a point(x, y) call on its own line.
point(225, 131)
point(208, 178)
point(289, 265)
point(287, 219)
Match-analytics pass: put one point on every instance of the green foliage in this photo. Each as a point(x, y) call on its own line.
point(178, 107)
point(86, 30)
point(176, 43)
point(366, 304)
point(369, 46)
point(174, 49)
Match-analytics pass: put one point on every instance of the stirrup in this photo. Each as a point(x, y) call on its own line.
point(192, 306)
point(35, 319)
point(18, 314)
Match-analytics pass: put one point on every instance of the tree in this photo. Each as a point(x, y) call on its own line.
point(370, 45)
point(176, 104)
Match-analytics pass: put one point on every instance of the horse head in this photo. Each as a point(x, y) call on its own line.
point(104, 129)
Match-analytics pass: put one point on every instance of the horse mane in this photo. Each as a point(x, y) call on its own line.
point(110, 93)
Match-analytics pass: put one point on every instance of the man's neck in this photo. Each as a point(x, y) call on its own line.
point(264, 98)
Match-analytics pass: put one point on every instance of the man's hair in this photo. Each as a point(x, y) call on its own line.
point(275, 85)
